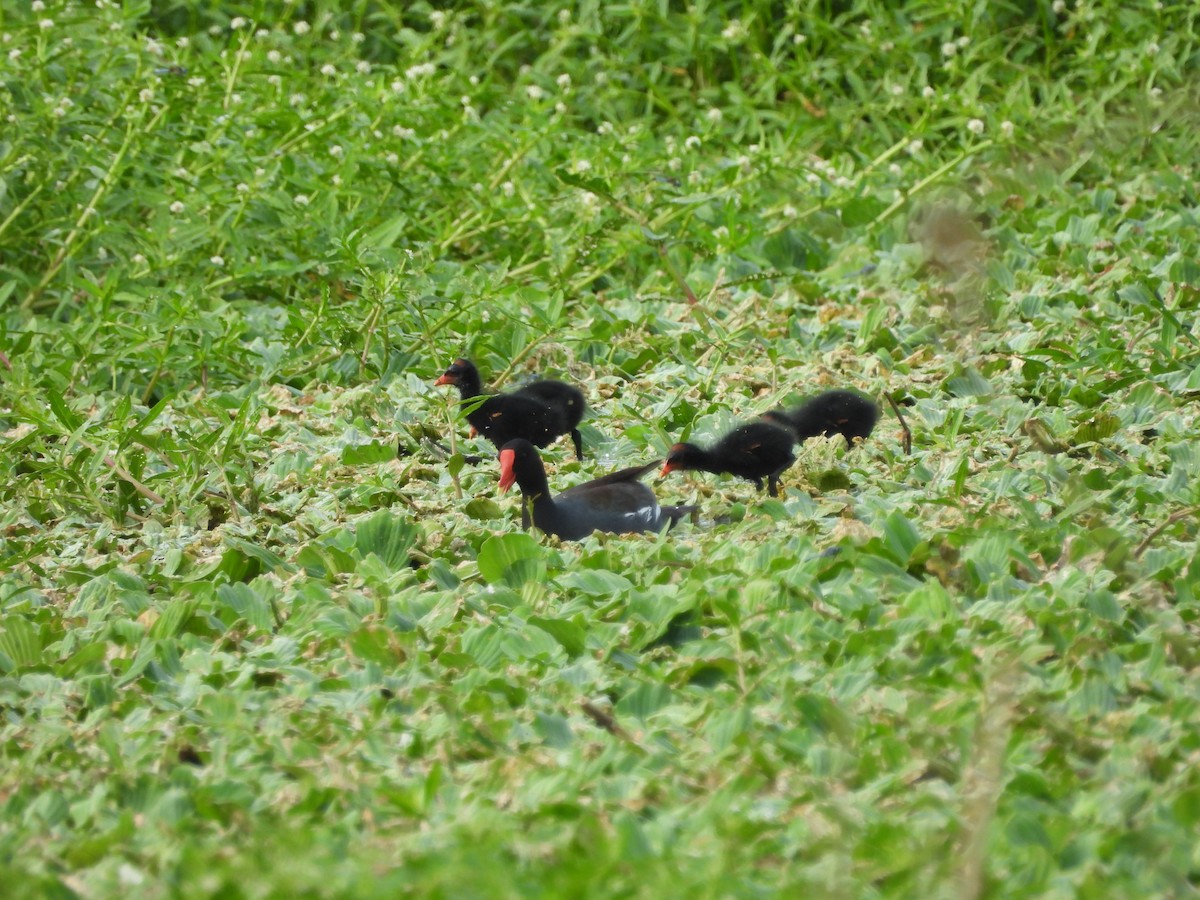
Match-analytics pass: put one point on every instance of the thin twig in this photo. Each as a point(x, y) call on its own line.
point(20, 208)
point(426, 337)
point(1170, 316)
point(925, 182)
point(102, 187)
point(676, 275)
point(300, 134)
point(312, 322)
point(162, 361)
point(123, 473)
point(903, 424)
point(516, 360)
point(369, 332)
point(230, 497)
point(238, 59)
point(893, 150)
point(606, 721)
point(1176, 516)
point(521, 153)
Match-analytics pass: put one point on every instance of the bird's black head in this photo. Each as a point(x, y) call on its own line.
point(460, 372)
point(679, 457)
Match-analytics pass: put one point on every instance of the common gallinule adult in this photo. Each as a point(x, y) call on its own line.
point(834, 412)
point(538, 412)
point(617, 502)
point(754, 451)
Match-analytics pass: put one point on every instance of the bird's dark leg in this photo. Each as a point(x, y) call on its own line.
point(758, 485)
point(775, 483)
point(578, 440)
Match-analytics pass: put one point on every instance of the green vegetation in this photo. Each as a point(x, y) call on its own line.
point(247, 648)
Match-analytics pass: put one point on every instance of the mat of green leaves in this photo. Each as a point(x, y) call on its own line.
point(259, 638)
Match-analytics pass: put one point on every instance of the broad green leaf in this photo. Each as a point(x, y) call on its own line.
point(989, 557)
point(137, 432)
point(320, 560)
point(20, 643)
point(255, 559)
point(1105, 606)
point(368, 454)
point(597, 582)
point(726, 726)
point(385, 234)
point(969, 383)
point(568, 633)
point(634, 845)
point(1083, 229)
point(174, 615)
point(1098, 428)
point(1186, 270)
point(147, 652)
point(1187, 807)
point(930, 600)
point(377, 645)
point(49, 809)
point(68, 417)
point(861, 211)
point(247, 604)
point(1027, 830)
point(511, 559)
point(788, 249)
point(900, 537)
point(85, 657)
point(389, 536)
point(595, 185)
point(482, 508)
point(1138, 294)
point(761, 593)
point(643, 701)
point(485, 644)
point(824, 715)
point(553, 729)
point(87, 850)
